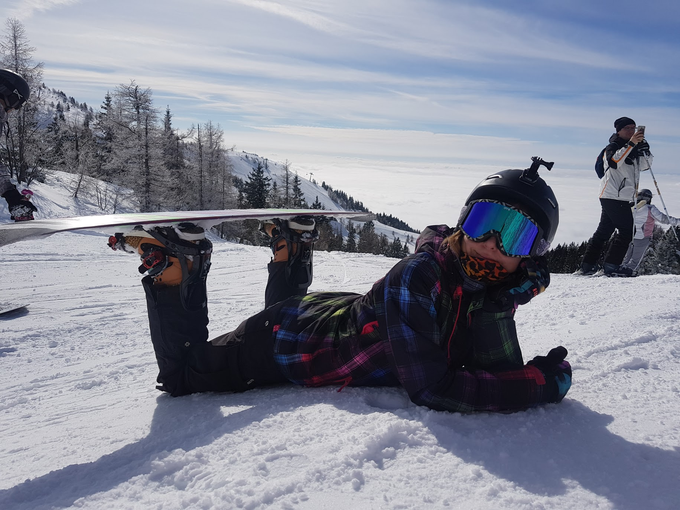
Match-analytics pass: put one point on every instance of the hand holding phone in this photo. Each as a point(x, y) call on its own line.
point(639, 135)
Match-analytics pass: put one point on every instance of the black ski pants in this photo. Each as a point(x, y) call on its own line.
point(236, 361)
point(616, 215)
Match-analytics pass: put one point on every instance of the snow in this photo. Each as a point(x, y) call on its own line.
point(82, 425)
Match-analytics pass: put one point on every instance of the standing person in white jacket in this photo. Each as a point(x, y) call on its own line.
point(646, 217)
point(626, 155)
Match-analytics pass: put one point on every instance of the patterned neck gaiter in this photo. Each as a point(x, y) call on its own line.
point(483, 270)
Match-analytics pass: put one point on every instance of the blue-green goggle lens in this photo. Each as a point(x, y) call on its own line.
point(516, 232)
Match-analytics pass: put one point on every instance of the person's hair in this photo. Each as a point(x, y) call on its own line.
point(455, 242)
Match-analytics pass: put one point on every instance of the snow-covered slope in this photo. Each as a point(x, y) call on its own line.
point(81, 425)
point(54, 198)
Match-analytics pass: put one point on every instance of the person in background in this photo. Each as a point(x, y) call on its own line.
point(626, 155)
point(646, 216)
point(14, 92)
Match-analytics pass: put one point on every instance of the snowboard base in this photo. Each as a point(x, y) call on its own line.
point(112, 223)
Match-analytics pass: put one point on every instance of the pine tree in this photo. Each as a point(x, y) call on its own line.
point(298, 197)
point(287, 185)
point(257, 188)
point(104, 134)
point(275, 199)
point(396, 250)
point(383, 244)
point(317, 204)
point(368, 239)
point(351, 245)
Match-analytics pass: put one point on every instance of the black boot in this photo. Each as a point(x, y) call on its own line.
point(187, 362)
point(292, 243)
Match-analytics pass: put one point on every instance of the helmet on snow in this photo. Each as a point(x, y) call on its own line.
point(14, 90)
point(515, 205)
point(645, 194)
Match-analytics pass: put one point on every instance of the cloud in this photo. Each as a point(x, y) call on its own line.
point(301, 15)
point(452, 31)
point(27, 8)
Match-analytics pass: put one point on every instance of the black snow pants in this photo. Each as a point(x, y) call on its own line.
point(237, 361)
point(616, 215)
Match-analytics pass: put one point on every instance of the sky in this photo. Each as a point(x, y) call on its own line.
point(83, 427)
point(431, 94)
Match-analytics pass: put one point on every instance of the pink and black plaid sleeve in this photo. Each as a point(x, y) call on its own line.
point(416, 348)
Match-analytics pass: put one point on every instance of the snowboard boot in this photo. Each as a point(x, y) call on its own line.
point(176, 255)
point(586, 269)
point(613, 270)
point(292, 241)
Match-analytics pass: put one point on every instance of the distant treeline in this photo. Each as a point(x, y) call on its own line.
point(662, 256)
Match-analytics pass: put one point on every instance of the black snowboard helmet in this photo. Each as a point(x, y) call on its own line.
point(525, 191)
point(13, 89)
point(645, 194)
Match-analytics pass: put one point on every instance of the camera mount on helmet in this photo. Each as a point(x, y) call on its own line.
point(530, 175)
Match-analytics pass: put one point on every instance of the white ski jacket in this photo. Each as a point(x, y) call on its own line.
point(646, 216)
point(622, 170)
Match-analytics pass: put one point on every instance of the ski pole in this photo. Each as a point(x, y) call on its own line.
point(661, 197)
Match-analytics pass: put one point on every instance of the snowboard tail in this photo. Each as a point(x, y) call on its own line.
point(110, 223)
point(8, 308)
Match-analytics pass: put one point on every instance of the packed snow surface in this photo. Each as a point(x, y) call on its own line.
point(82, 425)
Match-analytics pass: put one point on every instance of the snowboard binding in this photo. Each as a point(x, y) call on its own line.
point(293, 241)
point(174, 255)
point(22, 212)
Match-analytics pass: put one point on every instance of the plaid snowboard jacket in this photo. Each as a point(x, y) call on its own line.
point(425, 326)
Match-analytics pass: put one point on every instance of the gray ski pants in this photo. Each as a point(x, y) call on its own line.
point(636, 251)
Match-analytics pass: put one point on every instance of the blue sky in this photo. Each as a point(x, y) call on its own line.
point(416, 91)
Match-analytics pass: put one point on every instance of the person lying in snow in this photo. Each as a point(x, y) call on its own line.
point(440, 323)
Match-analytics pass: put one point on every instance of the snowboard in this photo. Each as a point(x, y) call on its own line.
point(7, 308)
point(112, 223)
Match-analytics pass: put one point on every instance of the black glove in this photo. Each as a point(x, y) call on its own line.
point(19, 209)
point(531, 279)
point(642, 148)
point(557, 373)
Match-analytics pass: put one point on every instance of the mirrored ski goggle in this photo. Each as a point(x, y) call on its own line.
point(515, 231)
